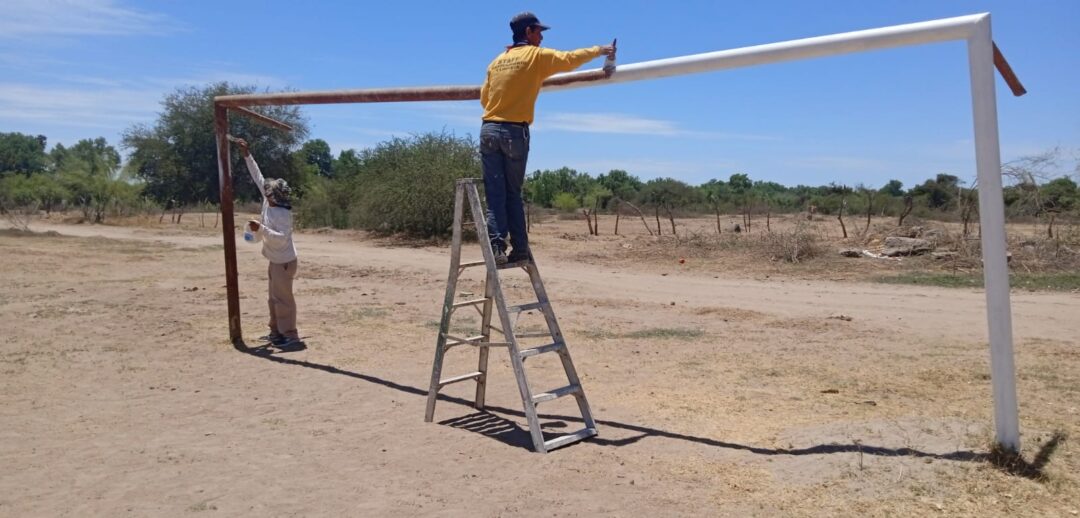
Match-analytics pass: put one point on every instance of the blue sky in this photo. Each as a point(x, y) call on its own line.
point(72, 70)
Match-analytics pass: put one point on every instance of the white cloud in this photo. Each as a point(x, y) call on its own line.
point(104, 108)
point(101, 102)
point(453, 112)
point(623, 124)
point(606, 123)
point(25, 19)
point(204, 77)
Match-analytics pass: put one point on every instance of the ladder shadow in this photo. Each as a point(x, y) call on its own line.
point(490, 424)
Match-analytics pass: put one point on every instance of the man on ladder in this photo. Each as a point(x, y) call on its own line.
point(508, 97)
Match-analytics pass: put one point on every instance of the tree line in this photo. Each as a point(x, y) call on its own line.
point(405, 185)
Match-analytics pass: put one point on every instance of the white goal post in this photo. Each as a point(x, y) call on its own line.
point(983, 56)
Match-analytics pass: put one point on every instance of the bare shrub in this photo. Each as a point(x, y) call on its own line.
point(19, 217)
point(1044, 255)
point(793, 246)
point(1028, 254)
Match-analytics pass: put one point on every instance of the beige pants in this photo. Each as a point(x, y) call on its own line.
point(282, 303)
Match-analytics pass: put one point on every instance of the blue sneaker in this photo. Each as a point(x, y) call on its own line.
point(291, 344)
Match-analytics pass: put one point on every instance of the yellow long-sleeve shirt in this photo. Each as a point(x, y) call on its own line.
point(514, 79)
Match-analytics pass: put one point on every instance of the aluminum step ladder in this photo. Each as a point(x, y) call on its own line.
point(494, 298)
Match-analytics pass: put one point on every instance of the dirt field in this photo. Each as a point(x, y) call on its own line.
point(721, 387)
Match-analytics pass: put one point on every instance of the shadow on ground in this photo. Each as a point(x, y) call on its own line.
point(487, 423)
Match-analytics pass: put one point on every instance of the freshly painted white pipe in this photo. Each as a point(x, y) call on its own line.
point(975, 29)
point(947, 29)
point(992, 219)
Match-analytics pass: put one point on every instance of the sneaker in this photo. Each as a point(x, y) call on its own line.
point(517, 257)
point(272, 338)
point(500, 257)
point(291, 344)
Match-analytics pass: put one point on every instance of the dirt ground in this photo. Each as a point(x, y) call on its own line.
point(721, 387)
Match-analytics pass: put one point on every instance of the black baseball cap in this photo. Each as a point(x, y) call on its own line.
point(524, 20)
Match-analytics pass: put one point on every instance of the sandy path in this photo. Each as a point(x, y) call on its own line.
point(122, 396)
point(941, 313)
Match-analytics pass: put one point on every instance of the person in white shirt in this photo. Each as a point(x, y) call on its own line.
point(275, 233)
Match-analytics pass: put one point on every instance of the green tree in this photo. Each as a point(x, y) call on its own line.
point(543, 186)
point(894, 188)
point(407, 185)
point(622, 184)
point(16, 191)
point(740, 183)
point(317, 153)
point(741, 186)
point(48, 191)
point(717, 193)
point(177, 155)
point(21, 153)
point(347, 164)
point(940, 192)
point(1061, 194)
point(99, 157)
point(596, 198)
point(94, 157)
point(566, 202)
point(668, 194)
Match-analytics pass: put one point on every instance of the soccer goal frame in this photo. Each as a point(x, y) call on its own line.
point(983, 57)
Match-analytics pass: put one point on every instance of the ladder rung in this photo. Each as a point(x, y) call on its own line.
point(584, 433)
point(557, 393)
point(469, 303)
point(471, 264)
point(541, 350)
point(471, 340)
point(537, 334)
point(525, 307)
point(517, 264)
point(463, 377)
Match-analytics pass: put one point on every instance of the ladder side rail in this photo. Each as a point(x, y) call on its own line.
point(504, 317)
point(448, 305)
point(485, 331)
point(557, 337)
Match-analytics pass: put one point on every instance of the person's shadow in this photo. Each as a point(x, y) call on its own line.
point(487, 423)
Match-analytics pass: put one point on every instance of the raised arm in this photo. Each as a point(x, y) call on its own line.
point(253, 168)
point(556, 61)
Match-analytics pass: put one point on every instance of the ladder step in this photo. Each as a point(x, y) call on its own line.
point(463, 377)
point(471, 264)
point(524, 307)
point(567, 439)
point(472, 340)
point(542, 349)
point(518, 264)
point(537, 334)
point(469, 303)
point(557, 393)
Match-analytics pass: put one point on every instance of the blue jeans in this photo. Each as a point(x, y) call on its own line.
point(504, 149)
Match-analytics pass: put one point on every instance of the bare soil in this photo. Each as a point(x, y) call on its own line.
point(724, 385)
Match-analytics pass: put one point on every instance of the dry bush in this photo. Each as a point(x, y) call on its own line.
point(1030, 254)
point(795, 245)
point(792, 246)
point(19, 217)
point(1044, 255)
